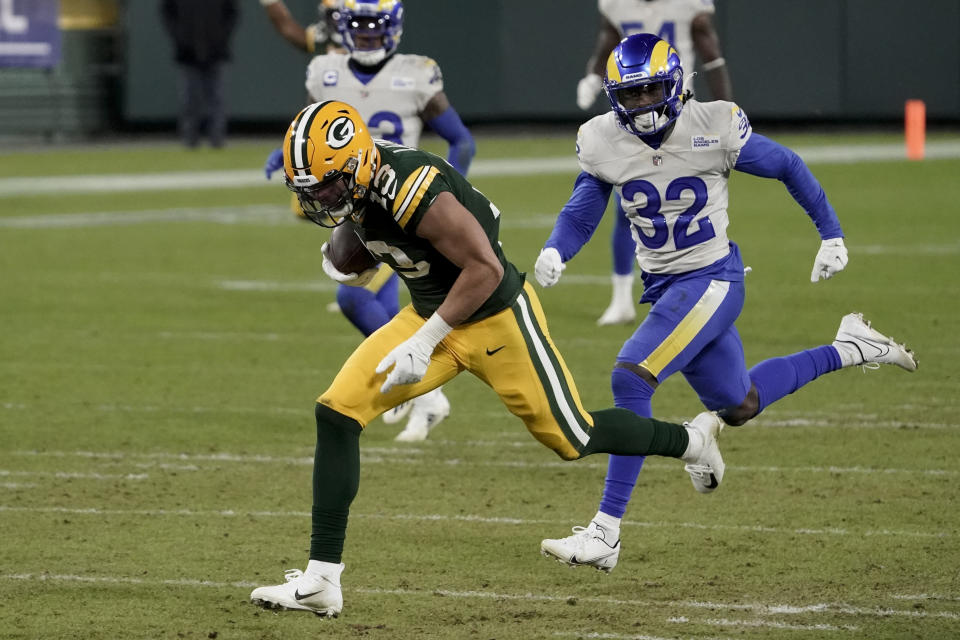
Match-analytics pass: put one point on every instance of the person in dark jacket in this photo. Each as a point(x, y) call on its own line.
point(201, 31)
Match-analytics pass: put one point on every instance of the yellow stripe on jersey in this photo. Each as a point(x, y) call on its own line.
point(688, 328)
point(380, 279)
point(411, 193)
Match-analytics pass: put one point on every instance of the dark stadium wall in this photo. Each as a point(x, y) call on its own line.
point(506, 60)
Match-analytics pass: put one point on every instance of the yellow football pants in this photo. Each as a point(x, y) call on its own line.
point(511, 351)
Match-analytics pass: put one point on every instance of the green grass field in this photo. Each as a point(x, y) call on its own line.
point(159, 360)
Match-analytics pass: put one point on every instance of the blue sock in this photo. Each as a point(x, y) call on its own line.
point(363, 309)
point(632, 392)
point(779, 377)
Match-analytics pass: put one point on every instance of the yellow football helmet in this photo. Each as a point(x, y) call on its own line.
point(329, 161)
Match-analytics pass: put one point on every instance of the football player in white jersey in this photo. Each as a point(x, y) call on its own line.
point(397, 94)
point(688, 26)
point(669, 158)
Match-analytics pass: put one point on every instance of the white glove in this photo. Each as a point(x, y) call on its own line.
point(587, 90)
point(411, 357)
point(549, 267)
point(831, 259)
point(350, 279)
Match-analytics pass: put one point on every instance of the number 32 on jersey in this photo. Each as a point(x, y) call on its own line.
point(663, 228)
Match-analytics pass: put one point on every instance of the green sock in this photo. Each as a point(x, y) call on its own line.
point(336, 478)
point(624, 433)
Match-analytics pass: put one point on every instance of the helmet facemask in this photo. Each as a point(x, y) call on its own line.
point(330, 202)
point(646, 107)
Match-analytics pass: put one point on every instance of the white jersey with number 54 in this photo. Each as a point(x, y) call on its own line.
point(674, 196)
point(390, 102)
point(668, 19)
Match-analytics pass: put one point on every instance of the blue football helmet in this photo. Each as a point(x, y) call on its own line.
point(644, 83)
point(371, 29)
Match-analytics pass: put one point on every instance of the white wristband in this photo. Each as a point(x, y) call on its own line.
point(716, 63)
point(267, 3)
point(434, 330)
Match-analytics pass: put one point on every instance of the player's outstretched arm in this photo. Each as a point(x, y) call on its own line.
point(455, 233)
point(707, 43)
point(440, 116)
point(274, 162)
point(575, 225)
point(286, 25)
point(763, 157)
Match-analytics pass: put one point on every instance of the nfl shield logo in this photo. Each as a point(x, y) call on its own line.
point(657, 160)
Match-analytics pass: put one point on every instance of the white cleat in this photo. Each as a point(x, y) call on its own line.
point(617, 314)
point(590, 546)
point(428, 411)
point(860, 344)
point(398, 413)
point(707, 472)
point(320, 594)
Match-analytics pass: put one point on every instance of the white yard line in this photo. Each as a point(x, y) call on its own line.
point(770, 624)
point(475, 519)
point(484, 167)
point(253, 214)
point(414, 455)
point(273, 285)
point(274, 215)
point(863, 422)
point(756, 608)
point(73, 475)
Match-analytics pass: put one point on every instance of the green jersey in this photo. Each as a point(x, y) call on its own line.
point(404, 187)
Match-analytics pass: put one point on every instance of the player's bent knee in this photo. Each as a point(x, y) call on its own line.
point(353, 298)
point(739, 415)
point(619, 377)
point(557, 443)
point(330, 419)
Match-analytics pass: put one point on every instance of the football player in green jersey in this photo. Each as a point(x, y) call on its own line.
point(471, 310)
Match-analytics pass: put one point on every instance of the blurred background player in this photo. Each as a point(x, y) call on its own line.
point(322, 36)
point(201, 34)
point(688, 26)
point(396, 94)
point(669, 159)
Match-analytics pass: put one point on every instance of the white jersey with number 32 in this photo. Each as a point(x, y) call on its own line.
point(390, 103)
point(674, 196)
